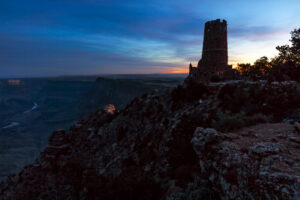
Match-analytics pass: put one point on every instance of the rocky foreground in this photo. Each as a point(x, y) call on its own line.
point(233, 140)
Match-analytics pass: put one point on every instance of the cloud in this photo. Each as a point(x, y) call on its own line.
point(87, 36)
point(254, 32)
point(54, 57)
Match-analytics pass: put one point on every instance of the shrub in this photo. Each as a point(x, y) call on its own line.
point(191, 93)
point(215, 78)
point(255, 119)
point(228, 121)
point(233, 97)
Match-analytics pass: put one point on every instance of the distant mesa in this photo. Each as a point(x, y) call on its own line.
point(14, 82)
point(214, 59)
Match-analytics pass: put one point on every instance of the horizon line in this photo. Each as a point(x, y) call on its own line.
point(86, 75)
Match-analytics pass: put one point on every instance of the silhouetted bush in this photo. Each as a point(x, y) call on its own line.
point(192, 92)
point(233, 97)
point(271, 99)
point(215, 78)
point(285, 66)
point(255, 119)
point(228, 121)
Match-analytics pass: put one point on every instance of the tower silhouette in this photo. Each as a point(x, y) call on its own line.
point(214, 58)
point(214, 53)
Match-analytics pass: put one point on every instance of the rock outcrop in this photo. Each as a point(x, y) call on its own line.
point(252, 163)
point(166, 146)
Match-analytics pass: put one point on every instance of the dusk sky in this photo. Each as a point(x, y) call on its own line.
point(70, 37)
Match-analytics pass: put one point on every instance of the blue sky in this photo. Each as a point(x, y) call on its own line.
point(71, 37)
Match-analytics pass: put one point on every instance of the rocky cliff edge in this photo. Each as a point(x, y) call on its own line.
point(232, 140)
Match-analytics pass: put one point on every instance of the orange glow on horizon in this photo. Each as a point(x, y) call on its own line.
point(181, 70)
point(185, 69)
point(239, 61)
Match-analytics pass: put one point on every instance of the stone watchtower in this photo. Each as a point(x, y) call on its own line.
point(214, 52)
